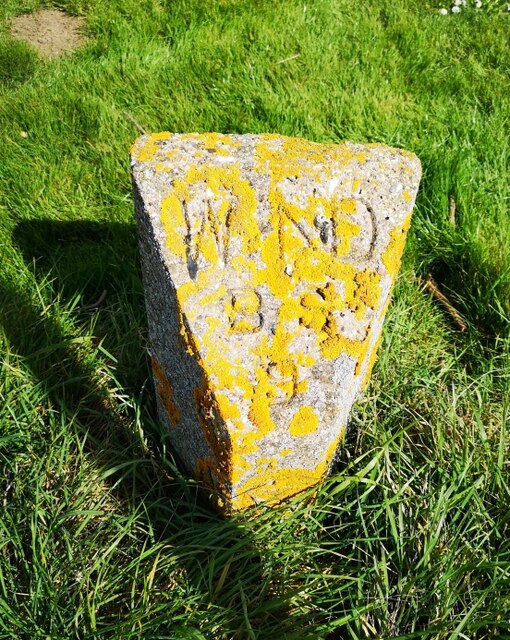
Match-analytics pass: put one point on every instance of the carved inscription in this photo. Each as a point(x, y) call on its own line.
point(244, 311)
point(334, 227)
point(206, 234)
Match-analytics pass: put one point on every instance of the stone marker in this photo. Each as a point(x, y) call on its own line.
point(268, 264)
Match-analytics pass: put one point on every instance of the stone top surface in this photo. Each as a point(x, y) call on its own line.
point(282, 253)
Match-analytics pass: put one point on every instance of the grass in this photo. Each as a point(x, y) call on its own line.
point(100, 535)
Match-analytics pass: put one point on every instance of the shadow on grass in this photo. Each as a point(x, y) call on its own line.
point(90, 261)
point(477, 289)
point(471, 271)
point(18, 62)
point(83, 259)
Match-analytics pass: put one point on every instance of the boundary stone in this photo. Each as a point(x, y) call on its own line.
point(268, 264)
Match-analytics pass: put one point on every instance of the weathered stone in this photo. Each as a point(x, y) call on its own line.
point(268, 264)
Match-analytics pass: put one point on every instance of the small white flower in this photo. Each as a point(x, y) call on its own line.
point(457, 3)
point(443, 11)
point(478, 3)
point(455, 9)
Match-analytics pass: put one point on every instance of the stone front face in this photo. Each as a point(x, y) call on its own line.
point(268, 264)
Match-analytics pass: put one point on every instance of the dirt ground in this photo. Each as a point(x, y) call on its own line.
point(50, 31)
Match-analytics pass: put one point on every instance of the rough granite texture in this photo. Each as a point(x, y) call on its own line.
point(268, 264)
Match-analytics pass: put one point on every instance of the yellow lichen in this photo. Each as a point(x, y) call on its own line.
point(246, 301)
point(368, 291)
point(245, 325)
point(215, 295)
point(393, 254)
point(150, 147)
point(208, 416)
point(275, 483)
point(348, 206)
point(356, 184)
point(304, 422)
point(166, 393)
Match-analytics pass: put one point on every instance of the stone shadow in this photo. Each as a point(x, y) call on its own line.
point(93, 268)
point(224, 564)
point(81, 260)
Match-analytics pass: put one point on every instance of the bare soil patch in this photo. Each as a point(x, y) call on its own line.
point(50, 31)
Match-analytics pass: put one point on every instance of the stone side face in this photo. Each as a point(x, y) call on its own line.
point(268, 264)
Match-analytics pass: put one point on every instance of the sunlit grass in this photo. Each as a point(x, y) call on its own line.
point(100, 535)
